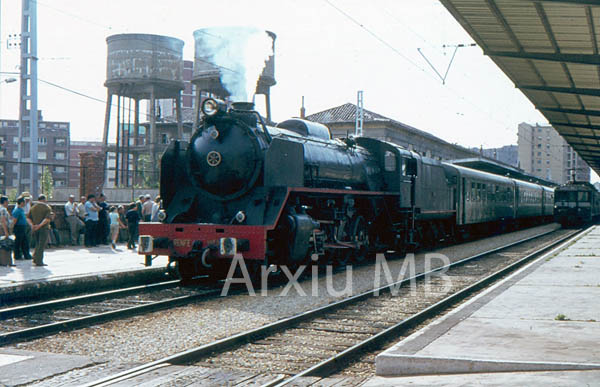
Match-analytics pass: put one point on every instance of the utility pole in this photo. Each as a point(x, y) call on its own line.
point(28, 107)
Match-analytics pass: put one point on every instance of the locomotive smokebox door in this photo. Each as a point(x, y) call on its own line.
point(284, 164)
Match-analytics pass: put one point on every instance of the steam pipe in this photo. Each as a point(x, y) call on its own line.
point(267, 134)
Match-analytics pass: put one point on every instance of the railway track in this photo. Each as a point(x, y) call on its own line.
point(307, 347)
point(30, 321)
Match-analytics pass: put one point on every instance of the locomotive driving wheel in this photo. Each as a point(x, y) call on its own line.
point(360, 236)
point(343, 256)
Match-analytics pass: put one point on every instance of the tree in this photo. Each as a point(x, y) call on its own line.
point(47, 182)
point(12, 194)
point(145, 173)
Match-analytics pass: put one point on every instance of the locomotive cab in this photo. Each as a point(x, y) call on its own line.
point(576, 203)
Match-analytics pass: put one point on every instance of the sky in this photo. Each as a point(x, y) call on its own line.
point(326, 50)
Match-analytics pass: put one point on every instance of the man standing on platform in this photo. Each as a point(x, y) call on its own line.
point(20, 230)
point(72, 220)
point(138, 204)
point(81, 214)
point(27, 196)
point(4, 216)
point(5, 248)
point(147, 208)
point(133, 218)
point(91, 221)
point(103, 221)
point(40, 217)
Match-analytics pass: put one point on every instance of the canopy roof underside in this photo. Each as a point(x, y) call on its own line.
point(549, 49)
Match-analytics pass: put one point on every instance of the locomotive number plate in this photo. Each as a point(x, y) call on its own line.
point(182, 242)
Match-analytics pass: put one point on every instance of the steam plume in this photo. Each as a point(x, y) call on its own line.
point(239, 53)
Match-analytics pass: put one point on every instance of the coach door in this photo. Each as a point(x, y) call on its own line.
point(463, 209)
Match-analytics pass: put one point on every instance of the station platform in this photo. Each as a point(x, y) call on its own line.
point(76, 268)
point(538, 327)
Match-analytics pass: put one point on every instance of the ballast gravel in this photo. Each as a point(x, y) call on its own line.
point(155, 335)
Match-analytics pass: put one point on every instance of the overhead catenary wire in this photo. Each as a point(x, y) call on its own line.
point(395, 50)
point(456, 93)
point(81, 94)
point(66, 165)
point(375, 36)
point(355, 21)
point(330, 3)
point(74, 16)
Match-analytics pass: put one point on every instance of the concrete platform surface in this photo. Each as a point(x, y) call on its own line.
point(19, 367)
point(499, 379)
point(540, 326)
point(68, 265)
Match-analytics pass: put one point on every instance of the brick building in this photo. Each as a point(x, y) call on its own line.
point(91, 176)
point(78, 147)
point(53, 152)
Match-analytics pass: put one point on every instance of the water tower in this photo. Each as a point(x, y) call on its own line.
point(140, 67)
point(207, 76)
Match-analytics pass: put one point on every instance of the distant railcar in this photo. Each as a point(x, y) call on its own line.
point(576, 203)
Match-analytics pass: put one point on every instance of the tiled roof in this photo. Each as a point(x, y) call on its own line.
point(347, 113)
point(344, 113)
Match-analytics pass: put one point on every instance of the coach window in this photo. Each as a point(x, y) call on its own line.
point(411, 167)
point(583, 196)
point(473, 192)
point(390, 161)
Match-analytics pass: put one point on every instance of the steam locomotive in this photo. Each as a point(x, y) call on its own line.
point(576, 203)
point(290, 193)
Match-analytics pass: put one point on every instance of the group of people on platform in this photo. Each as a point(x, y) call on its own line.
point(92, 216)
point(28, 221)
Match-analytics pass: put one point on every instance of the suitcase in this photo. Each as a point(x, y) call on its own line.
point(5, 257)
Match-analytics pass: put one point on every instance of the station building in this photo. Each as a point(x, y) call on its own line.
point(341, 120)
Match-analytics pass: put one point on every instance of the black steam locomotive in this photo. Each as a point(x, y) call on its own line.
point(287, 193)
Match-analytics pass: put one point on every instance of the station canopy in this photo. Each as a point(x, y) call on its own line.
point(549, 49)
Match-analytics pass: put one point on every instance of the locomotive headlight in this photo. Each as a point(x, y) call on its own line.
point(146, 243)
point(240, 216)
point(210, 107)
point(228, 246)
point(162, 215)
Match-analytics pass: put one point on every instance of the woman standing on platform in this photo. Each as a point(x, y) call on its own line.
point(115, 225)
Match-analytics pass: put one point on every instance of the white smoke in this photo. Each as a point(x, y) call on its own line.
point(239, 53)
